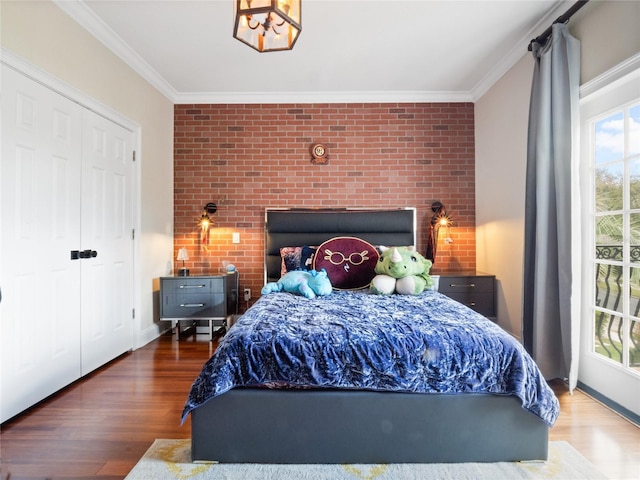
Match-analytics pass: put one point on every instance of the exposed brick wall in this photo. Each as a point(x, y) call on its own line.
point(248, 157)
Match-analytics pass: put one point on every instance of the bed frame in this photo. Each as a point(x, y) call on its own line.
point(337, 426)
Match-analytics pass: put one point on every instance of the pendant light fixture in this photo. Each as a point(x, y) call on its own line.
point(268, 25)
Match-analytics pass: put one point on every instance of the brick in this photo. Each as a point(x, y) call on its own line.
point(380, 155)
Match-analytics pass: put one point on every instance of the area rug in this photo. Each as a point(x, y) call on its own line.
point(170, 459)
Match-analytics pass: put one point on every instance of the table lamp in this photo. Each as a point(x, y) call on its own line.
point(183, 255)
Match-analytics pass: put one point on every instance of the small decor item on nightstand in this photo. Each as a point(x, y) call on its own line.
point(183, 255)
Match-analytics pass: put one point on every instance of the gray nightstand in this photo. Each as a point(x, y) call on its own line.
point(475, 290)
point(192, 299)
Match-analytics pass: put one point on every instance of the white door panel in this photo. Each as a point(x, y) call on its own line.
point(40, 214)
point(107, 223)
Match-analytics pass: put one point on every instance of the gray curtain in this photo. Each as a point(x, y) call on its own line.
point(548, 333)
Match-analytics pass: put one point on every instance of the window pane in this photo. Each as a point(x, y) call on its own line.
point(609, 287)
point(609, 191)
point(634, 327)
point(607, 340)
point(634, 177)
point(609, 143)
point(609, 234)
point(634, 235)
point(634, 130)
point(634, 288)
point(634, 352)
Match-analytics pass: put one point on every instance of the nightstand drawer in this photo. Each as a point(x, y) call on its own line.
point(466, 283)
point(191, 285)
point(203, 304)
point(475, 291)
point(480, 303)
point(192, 297)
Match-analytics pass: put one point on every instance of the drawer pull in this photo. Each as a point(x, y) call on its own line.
point(192, 305)
point(456, 285)
point(192, 286)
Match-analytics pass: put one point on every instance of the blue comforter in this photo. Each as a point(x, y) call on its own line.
point(356, 340)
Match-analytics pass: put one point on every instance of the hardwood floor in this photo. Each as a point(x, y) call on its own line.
point(100, 426)
point(608, 440)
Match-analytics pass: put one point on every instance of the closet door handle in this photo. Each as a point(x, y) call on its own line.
point(76, 254)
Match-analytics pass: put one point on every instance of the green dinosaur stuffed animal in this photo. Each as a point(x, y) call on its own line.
point(401, 270)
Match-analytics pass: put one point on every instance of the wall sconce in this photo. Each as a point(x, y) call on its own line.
point(439, 219)
point(268, 25)
point(205, 221)
point(183, 255)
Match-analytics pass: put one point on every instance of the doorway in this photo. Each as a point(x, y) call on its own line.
point(610, 180)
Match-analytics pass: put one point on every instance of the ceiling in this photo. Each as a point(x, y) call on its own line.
point(348, 51)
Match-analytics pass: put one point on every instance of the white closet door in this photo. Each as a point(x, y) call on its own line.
point(40, 219)
point(107, 224)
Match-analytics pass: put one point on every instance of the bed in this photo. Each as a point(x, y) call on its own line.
point(299, 380)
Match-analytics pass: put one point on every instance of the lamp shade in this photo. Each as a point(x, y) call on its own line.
point(268, 25)
point(182, 254)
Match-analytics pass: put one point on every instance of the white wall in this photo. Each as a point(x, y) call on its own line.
point(609, 34)
point(41, 34)
point(501, 141)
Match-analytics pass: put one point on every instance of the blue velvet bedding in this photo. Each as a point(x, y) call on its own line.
point(357, 340)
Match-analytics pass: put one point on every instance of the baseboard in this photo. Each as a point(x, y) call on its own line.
point(616, 407)
point(151, 333)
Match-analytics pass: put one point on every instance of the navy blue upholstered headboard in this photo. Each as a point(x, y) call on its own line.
point(298, 227)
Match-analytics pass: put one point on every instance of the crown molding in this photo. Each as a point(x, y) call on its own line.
point(609, 78)
point(322, 97)
point(88, 20)
point(519, 50)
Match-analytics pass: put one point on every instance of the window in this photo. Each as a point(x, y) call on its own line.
point(615, 249)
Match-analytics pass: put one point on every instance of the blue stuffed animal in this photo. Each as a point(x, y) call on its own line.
point(308, 283)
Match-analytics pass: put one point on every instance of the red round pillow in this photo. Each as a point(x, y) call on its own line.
point(350, 262)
